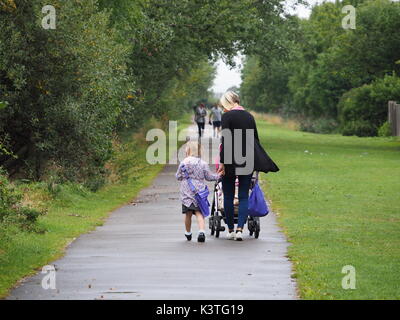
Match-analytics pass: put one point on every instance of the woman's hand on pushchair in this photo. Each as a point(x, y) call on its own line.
point(221, 170)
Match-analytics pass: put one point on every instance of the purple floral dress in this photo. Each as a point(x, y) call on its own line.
point(198, 171)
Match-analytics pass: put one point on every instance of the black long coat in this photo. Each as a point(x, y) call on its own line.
point(241, 119)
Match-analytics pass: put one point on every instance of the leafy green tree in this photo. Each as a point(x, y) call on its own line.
point(318, 34)
point(63, 87)
point(357, 56)
point(109, 65)
point(325, 62)
point(174, 35)
point(363, 110)
point(265, 89)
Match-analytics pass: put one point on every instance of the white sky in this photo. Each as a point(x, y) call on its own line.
point(227, 78)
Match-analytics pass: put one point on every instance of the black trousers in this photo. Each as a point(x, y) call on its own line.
point(200, 125)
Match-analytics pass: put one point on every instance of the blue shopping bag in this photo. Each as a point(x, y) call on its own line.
point(202, 201)
point(258, 207)
point(201, 196)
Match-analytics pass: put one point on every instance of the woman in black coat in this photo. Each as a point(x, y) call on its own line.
point(240, 155)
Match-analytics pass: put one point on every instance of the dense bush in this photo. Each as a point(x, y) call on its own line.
point(11, 210)
point(360, 128)
point(385, 130)
point(8, 197)
point(363, 110)
point(319, 125)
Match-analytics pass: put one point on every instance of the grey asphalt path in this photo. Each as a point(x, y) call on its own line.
point(141, 253)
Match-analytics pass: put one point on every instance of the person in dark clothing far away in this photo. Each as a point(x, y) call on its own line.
point(240, 156)
point(200, 115)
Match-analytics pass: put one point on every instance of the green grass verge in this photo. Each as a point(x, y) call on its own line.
point(338, 201)
point(72, 212)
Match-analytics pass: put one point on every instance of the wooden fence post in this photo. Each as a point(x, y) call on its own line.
point(397, 118)
point(390, 117)
point(394, 117)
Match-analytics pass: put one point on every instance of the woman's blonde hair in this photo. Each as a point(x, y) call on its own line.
point(229, 99)
point(193, 148)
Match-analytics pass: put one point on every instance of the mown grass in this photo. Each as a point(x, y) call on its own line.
point(72, 211)
point(338, 200)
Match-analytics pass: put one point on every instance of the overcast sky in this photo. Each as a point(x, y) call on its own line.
point(227, 78)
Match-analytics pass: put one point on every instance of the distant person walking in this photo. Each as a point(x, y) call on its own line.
point(215, 117)
point(200, 118)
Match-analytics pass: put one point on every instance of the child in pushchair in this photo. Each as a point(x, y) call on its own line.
point(218, 214)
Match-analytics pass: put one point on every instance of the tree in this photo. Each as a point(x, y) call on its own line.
point(63, 88)
point(110, 65)
point(174, 35)
point(325, 63)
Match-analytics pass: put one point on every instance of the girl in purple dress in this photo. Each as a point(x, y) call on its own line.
point(198, 171)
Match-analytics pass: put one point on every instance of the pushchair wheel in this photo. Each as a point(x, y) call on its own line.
point(217, 226)
point(253, 225)
point(257, 228)
point(212, 226)
point(250, 226)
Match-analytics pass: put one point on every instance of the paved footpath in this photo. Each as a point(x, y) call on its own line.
point(141, 253)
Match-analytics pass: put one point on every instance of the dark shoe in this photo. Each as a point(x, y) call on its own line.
point(188, 237)
point(201, 237)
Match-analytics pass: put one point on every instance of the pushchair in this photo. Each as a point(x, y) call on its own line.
point(218, 215)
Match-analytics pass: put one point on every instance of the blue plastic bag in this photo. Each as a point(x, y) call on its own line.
point(257, 205)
